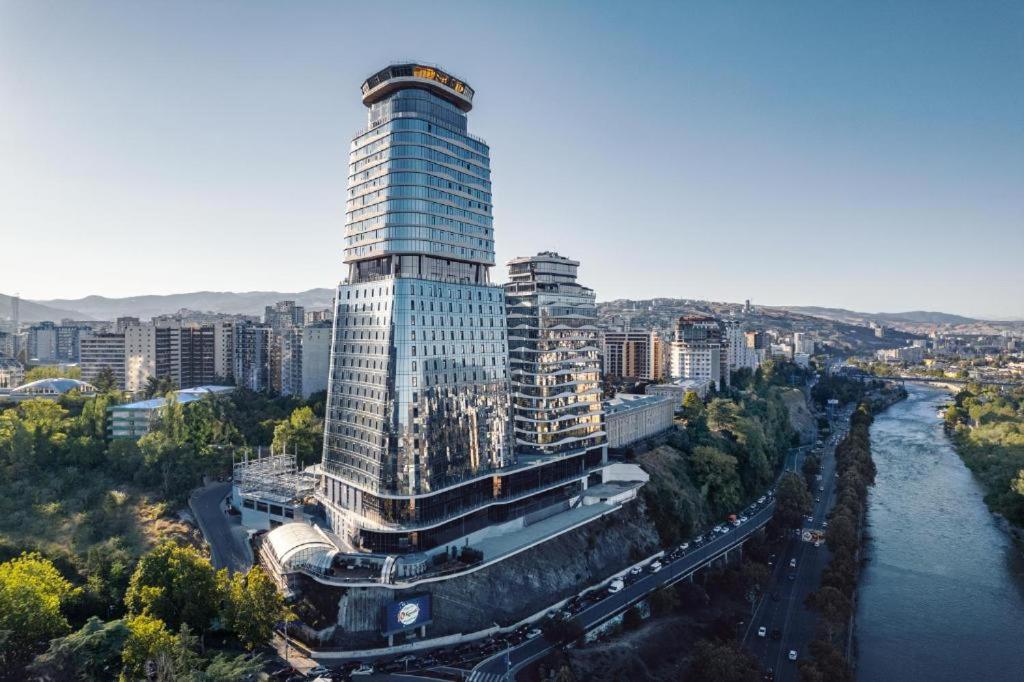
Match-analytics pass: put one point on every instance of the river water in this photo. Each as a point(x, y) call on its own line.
point(942, 597)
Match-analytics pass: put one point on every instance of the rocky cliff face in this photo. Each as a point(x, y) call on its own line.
point(800, 418)
point(505, 592)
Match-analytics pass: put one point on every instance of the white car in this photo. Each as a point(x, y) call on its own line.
point(616, 585)
point(760, 500)
point(362, 670)
point(635, 570)
point(685, 546)
point(655, 567)
point(532, 634)
point(792, 654)
point(743, 519)
point(718, 529)
point(762, 631)
point(792, 563)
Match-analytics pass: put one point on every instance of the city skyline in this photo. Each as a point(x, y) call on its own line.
point(793, 152)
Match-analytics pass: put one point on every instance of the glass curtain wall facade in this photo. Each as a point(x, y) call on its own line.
point(418, 402)
point(554, 357)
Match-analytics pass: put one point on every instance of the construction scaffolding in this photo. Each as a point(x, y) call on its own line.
point(271, 475)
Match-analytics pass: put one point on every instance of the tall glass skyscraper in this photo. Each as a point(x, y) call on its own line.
point(418, 443)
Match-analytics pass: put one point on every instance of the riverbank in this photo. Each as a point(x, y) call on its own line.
point(986, 427)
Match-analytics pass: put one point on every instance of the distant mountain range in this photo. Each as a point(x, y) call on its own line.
point(253, 303)
point(910, 317)
point(32, 311)
point(145, 307)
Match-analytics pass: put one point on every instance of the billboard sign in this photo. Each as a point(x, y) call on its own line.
point(406, 614)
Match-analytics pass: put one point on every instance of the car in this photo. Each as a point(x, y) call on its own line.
point(533, 634)
point(635, 570)
point(792, 654)
point(762, 631)
point(824, 524)
point(792, 563)
point(821, 488)
point(362, 670)
point(318, 671)
point(655, 567)
point(817, 499)
point(718, 529)
point(760, 500)
point(685, 546)
point(616, 585)
point(737, 522)
point(724, 531)
point(769, 675)
point(743, 519)
point(817, 543)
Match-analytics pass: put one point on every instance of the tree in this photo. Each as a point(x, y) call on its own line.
point(811, 468)
point(31, 593)
point(826, 664)
point(665, 601)
point(834, 607)
point(176, 585)
point(148, 639)
point(693, 406)
point(632, 619)
point(106, 381)
point(841, 532)
point(254, 606)
point(715, 473)
point(158, 386)
point(52, 372)
point(792, 501)
point(224, 668)
point(303, 434)
point(91, 653)
point(723, 662)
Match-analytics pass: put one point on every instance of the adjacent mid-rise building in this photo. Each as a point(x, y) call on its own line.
point(251, 356)
point(634, 355)
point(99, 351)
point(554, 356)
point(697, 350)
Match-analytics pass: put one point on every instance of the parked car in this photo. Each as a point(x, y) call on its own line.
point(635, 570)
point(762, 631)
point(616, 585)
point(533, 633)
point(792, 563)
point(792, 654)
point(655, 567)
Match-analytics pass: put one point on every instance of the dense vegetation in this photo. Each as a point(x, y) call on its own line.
point(90, 507)
point(721, 455)
point(987, 427)
point(835, 598)
point(174, 599)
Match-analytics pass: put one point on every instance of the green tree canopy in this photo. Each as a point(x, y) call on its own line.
point(253, 607)
point(32, 591)
point(792, 501)
point(90, 654)
point(176, 585)
point(303, 434)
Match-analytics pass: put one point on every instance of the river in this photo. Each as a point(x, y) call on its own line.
point(942, 596)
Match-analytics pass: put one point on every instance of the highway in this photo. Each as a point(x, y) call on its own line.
point(504, 665)
point(228, 546)
point(782, 608)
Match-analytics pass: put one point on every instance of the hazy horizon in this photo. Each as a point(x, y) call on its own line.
point(864, 157)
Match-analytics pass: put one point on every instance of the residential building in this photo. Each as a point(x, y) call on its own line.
point(554, 357)
point(99, 350)
point(634, 355)
point(12, 373)
point(802, 343)
point(284, 314)
point(320, 315)
point(196, 354)
point(224, 349)
point(697, 351)
point(910, 355)
point(135, 420)
point(316, 357)
point(630, 417)
point(739, 353)
point(251, 353)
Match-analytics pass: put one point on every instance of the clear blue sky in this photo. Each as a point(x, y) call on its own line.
point(867, 155)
